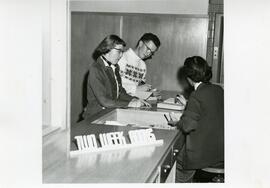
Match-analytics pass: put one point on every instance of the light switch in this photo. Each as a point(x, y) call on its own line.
point(215, 52)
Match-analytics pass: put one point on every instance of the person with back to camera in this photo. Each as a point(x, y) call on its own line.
point(104, 86)
point(202, 122)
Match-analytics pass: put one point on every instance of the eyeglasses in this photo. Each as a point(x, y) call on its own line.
point(119, 50)
point(148, 48)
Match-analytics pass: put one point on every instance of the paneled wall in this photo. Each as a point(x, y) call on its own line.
point(181, 36)
point(87, 31)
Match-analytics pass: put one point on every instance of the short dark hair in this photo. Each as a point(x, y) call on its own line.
point(182, 79)
point(106, 45)
point(150, 37)
point(197, 69)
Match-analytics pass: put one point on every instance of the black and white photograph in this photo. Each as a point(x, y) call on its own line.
point(136, 91)
point(146, 97)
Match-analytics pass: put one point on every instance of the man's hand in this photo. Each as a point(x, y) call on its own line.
point(156, 93)
point(144, 87)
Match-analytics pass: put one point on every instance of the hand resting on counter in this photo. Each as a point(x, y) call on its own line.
point(137, 103)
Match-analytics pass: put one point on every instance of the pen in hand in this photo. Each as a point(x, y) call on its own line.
point(170, 117)
point(166, 117)
point(170, 122)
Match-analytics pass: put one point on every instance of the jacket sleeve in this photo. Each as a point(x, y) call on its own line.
point(124, 96)
point(190, 117)
point(97, 86)
point(122, 92)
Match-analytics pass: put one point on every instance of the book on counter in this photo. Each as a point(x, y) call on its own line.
point(170, 104)
point(142, 94)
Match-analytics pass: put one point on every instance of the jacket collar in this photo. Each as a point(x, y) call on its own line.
point(196, 85)
point(100, 63)
point(202, 85)
point(106, 62)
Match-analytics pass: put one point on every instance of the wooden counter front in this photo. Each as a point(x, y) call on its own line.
point(136, 165)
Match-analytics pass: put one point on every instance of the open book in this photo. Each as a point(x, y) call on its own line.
point(170, 104)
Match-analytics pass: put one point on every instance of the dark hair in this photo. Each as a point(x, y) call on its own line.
point(150, 37)
point(182, 79)
point(106, 45)
point(197, 69)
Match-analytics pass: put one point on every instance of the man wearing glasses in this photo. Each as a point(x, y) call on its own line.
point(132, 66)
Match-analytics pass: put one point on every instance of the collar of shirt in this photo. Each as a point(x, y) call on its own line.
point(196, 85)
point(113, 68)
point(105, 62)
point(133, 55)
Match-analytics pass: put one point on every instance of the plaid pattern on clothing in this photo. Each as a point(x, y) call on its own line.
point(133, 74)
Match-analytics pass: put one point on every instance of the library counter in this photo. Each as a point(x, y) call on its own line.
point(137, 165)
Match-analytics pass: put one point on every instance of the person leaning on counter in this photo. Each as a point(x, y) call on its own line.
point(202, 122)
point(132, 64)
point(104, 86)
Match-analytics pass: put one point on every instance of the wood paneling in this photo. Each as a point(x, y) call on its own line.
point(180, 36)
point(87, 31)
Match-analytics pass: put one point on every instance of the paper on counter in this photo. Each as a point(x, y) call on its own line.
point(169, 101)
point(142, 94)
point(152, 99)
point(153, 90)
point(114, 123)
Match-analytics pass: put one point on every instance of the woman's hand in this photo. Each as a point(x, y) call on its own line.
point(173, 119)
point(134, 103)
point(180, 99)
point(145, 104)
point(137, 103)
point(172, 123)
